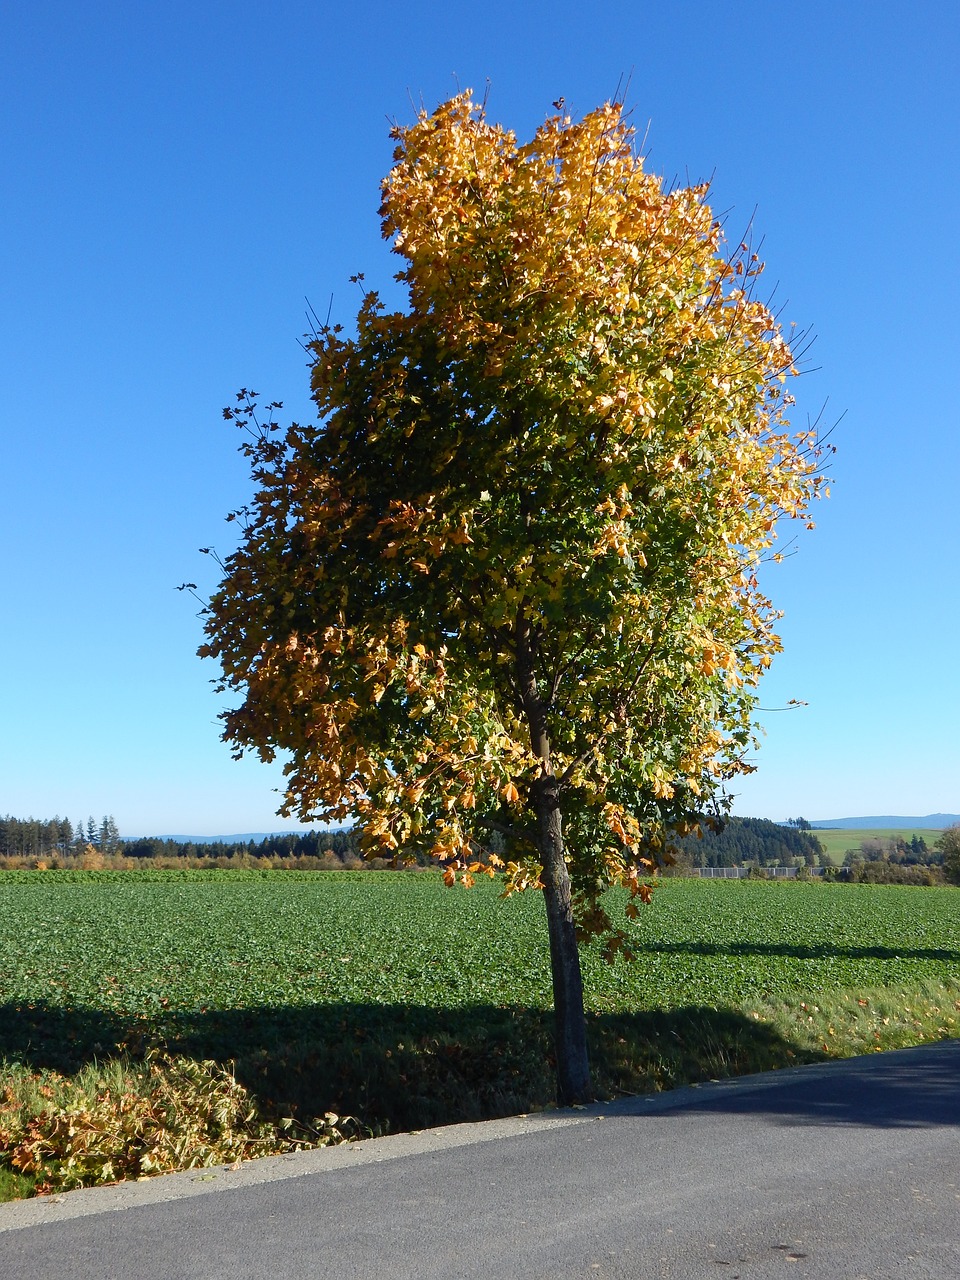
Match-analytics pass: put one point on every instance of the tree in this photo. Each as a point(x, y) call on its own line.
point(507, 583)
point(949, 846)
point(108, 834)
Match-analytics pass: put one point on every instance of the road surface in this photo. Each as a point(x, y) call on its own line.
point(849, 1171)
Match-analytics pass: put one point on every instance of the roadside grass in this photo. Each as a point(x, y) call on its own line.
point(837, 842)
point(845, 1023)
point(171, 1021)
point(15, 1186)
point(130, 1119)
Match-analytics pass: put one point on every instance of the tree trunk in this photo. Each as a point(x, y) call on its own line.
point(573, 1067)
point(570, 1029)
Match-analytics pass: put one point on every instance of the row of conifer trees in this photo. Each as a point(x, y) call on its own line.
point(738, 841)
point(47, 837)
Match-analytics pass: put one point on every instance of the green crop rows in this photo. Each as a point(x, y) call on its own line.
point(160, 944)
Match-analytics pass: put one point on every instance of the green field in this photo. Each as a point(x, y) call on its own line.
point(837, 842)
point(386, 996)
point(180, 948)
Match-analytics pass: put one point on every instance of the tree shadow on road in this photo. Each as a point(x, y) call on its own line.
point(903, 1088)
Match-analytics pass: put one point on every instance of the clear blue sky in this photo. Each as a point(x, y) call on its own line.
point(177, 177)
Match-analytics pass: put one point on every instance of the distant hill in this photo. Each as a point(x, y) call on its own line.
point(932, 822)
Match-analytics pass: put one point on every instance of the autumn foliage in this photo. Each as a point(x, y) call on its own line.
point(500, 601)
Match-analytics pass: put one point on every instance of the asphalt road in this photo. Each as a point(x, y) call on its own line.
point(841, 1172)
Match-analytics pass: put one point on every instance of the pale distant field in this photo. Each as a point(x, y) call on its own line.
point(837, 843)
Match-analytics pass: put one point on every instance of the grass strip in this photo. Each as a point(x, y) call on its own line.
point(133, 1118)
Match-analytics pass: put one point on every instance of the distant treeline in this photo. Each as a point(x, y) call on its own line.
point(47, 837)
point(737, 842)
point(914, 852)
point(893, 860)
point(344, 845)
point(54, 838)
point(744, 840)
point(760, 843)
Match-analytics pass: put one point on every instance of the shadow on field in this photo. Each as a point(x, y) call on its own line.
point(798, 952)
point(400, 1067)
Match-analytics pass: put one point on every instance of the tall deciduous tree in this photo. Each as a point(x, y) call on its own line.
point(500, 600)
point(949, 845)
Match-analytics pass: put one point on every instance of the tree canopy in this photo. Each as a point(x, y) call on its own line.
point(500, 601)
point(949, 846)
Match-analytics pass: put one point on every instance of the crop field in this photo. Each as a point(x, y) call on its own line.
point(386, 996)
point(836, 842)
point(167, 945)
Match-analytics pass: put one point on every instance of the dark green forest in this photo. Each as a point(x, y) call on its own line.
point(47, 837)
point(745, 840)
point(344, 845)
point(52, 838)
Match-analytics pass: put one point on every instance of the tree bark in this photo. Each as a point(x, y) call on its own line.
point(570, 1025)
